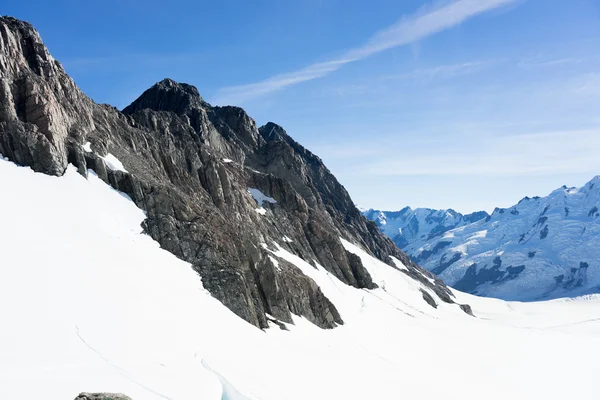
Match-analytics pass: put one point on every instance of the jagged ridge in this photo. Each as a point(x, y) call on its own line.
point(407, 225)
point(189, 166)
point(542, 247)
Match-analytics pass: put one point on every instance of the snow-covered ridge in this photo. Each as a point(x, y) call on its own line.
point(89, 303)
point(408, 225)
point(543, 247)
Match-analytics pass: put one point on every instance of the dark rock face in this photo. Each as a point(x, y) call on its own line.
point(576, 277)
point(41, 109)
point(467, 309)
point(444, 263)
point(102, 396)
point(429, 299)
point(189, 166)
point(474, 276)
point(168, 95)
point(428, 253)
point(363, 279)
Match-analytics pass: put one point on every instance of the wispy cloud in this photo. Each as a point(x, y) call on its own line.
point(446, 71)
point(381, 84)
point(545, 62)
point(408, 29)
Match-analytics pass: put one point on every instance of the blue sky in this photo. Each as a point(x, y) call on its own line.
point(469, 104)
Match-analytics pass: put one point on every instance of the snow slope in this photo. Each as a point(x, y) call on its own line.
point(543, 247)
point(88, 303)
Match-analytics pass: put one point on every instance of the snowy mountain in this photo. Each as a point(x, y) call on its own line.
point(92, 304)
point(543, 247)
point(175, 250)
point(408, 226)
point(213, 185)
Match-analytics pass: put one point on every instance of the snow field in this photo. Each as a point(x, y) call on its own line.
point(88, 303)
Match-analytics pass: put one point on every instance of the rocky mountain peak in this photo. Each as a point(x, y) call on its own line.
point(193, 169)
point(593, 182)
point(21, 47)
point(272, 132)
point(41, 108)
point(238, 123)
point(168, 95)
point(276, 136)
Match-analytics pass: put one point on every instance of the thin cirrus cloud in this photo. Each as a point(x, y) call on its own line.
point(408, 29)
point(446, 71)
point(540, 62)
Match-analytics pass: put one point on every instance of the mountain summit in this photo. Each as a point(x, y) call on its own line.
point(542, 247)
point(167, 95)
point(218, 192)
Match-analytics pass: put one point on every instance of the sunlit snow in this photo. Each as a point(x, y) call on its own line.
point(260, 197)
point(554, 241)
point(113, 163)
point(89, 303)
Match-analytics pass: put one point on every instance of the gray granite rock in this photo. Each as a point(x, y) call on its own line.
point(102, 396)
point(189, 166)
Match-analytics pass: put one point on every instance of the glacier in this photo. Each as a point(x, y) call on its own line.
point(90, 303)
point(541, 248)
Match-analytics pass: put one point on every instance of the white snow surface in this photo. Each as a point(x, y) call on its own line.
point(88, 303)
point(113, 163)
point(260, 197)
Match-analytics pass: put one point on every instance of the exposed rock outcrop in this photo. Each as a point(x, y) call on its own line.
point(189, 165)
point(102, 396)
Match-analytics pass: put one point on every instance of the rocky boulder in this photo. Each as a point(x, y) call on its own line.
point(102, 396)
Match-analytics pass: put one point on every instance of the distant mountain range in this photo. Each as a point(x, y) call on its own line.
point(408, 226)
point(543, 247)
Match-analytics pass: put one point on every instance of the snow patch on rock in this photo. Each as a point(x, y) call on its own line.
point(113, 163)
point(260, 197)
